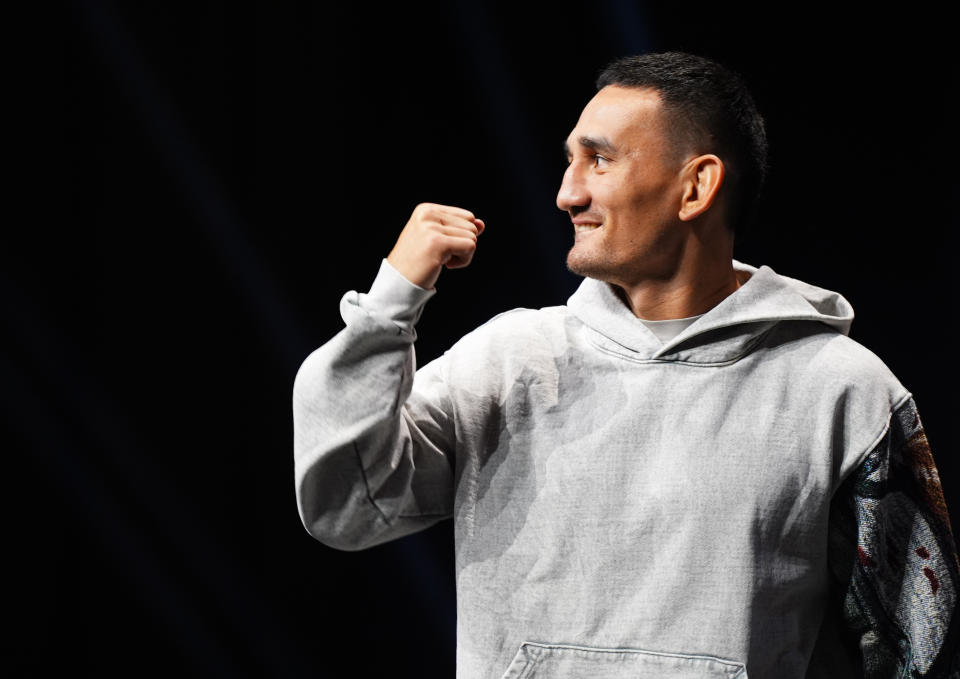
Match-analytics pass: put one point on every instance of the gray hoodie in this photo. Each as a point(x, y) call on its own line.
point(621, 507)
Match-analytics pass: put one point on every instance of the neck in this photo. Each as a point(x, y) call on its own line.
point(694, 282)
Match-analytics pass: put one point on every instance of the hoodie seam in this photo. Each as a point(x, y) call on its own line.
point(773, 321)
point(366, 485)
point(863, 454)
point(664, 361)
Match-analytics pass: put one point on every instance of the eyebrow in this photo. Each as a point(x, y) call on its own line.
point(601, 144)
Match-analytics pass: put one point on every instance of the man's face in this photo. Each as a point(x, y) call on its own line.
point(622, 188)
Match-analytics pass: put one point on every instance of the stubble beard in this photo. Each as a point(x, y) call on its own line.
point(589, 265)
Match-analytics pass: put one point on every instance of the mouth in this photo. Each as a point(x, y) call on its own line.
point(585, 228)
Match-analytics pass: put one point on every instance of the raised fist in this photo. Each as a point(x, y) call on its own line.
point(436, 236)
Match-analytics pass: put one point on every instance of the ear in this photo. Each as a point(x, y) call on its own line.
point(702, 178)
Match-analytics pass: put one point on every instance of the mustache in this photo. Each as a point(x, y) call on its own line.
point(578, 212)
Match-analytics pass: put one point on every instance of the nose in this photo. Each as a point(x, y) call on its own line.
point(573, 191)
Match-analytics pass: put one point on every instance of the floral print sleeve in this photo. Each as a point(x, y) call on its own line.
point(895, 561)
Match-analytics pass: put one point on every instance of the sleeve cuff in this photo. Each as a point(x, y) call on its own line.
point(394, 296)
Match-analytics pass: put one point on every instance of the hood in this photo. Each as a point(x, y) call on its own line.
point(723, 334)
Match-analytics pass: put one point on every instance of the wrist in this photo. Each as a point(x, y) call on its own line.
point(415, 273)
point(394, 296)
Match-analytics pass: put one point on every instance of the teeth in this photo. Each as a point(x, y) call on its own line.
point(580, 228)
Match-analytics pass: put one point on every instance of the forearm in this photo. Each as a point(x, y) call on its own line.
point(365, 471)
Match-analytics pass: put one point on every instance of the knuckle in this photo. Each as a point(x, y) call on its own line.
point(434, 241)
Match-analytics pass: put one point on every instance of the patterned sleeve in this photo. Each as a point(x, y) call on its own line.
point(892, 549)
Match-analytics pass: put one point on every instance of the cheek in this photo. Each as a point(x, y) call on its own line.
point(649, 194)
point(612, 194)
point(637, 205)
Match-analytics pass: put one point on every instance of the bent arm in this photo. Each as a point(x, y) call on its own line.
point(372, 449)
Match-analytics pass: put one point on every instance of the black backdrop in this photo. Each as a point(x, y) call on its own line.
point(226, 171)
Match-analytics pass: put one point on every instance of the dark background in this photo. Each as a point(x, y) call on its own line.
point(221, 173)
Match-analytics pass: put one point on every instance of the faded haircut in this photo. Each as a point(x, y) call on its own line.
point(709, 110)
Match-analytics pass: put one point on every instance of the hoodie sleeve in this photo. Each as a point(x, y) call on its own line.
point(373, 439)
point(895, 561)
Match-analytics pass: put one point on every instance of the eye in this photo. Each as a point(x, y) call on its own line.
point(600, 161)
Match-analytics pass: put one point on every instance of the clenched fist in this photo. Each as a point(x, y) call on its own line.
point(436, 236)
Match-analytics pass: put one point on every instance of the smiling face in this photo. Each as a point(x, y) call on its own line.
point(623, 189)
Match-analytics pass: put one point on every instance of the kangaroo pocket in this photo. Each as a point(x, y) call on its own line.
point(555, 661)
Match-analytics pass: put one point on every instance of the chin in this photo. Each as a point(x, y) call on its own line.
point(584, 265)
point(574, 262)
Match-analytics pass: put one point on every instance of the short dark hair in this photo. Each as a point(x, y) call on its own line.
point(709, 107)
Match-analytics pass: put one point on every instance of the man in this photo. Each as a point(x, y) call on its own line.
point(688, 471)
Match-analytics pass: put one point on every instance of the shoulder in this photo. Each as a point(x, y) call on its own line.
point(511, 342)
point(845, 363)
point(508, 330)
point(850, 391)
